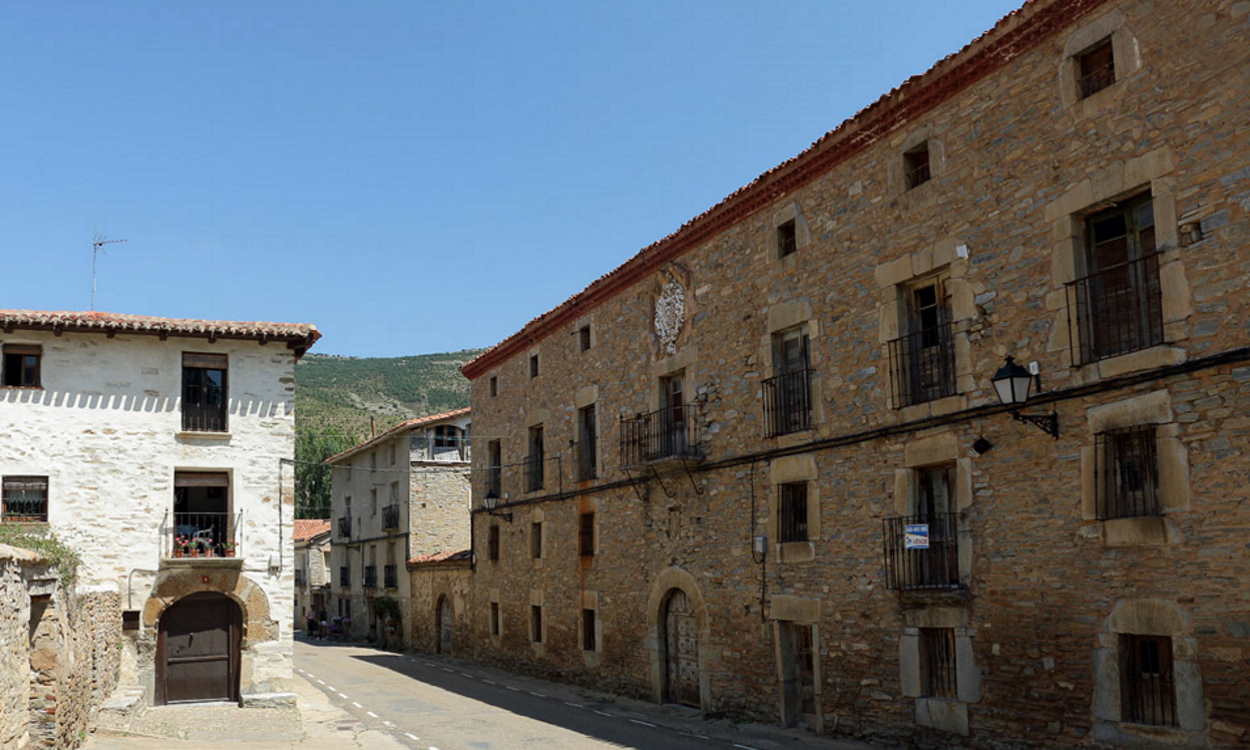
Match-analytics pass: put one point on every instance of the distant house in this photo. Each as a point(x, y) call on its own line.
point(312, 569)
point(160, 450)
point(395, 496)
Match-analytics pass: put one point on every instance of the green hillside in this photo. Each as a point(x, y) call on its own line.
point(339, 399)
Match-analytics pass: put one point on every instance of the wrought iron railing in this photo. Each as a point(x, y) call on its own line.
point(197, 418)
point(534, 470)
point(788, 403)
point(390, 516)
point(922, 365)
point(666, 433)
point(371, 576)
point(345, 526)
point(24, 499)
point(1116, 310)
point(202, 535)
point(935, 566)
point(390, 576)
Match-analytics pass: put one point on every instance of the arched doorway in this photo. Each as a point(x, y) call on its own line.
point(444, 625)
point(197, 650)
point(681, 649)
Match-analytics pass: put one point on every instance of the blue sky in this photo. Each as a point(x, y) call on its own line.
point(410, 176)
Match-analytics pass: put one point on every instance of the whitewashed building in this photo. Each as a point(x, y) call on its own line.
point(400, 494)
point(161, 449)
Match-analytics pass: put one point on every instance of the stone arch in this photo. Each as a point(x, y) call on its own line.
point(664, 583)
point(172, 585)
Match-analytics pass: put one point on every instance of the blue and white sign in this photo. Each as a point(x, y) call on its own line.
point(916, 536)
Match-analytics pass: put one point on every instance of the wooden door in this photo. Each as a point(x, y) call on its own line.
point(198, 650)
point(444, 625)
point(681, 632)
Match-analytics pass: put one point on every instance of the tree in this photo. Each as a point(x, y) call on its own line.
point(312, 477)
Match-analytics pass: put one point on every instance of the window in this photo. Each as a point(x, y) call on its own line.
point(536, 623)
point(1119, 302)
point(583, 337)
point(787, 239)
point(787, 395)
point(536, 540)
point(390, 453)
point(916, 165)
point(202, 521)
point(1096, 68)
point(792, 515)
point(204, 392)
point(533, 365)
point(373, 501)
point(494, 386)
point(1147, 692)
point(24, 499)
point(535, 461)
point(1127, 473)
point(446, 436)
point(373, 461)
point(587, 443)
point(21, 365)
point(492, 543)
point(588, 630)
point(494, 619)
point(586, 534)
point(922, 361)
point(937, 661)
point(494, 476)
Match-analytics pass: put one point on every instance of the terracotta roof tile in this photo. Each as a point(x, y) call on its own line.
point(403, 426)
point(307, 528)
point(297, 335)
point(440, 557)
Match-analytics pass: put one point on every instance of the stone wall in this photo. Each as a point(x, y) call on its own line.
point(1017, 166)
point(431, 584)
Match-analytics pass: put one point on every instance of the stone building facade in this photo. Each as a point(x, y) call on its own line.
point(159, 450)
point(312, 570)
point(397, 495)
point(761, 467)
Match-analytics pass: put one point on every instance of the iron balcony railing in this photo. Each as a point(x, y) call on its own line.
point(345, 526)
point(671, 432)
point(788, 402)
point(390, 576)
point(933, 567)
point(345, 576)
point(371, 576)
point(390, 516)
point(1116, 310)
point(922, 365)
point(534, 465)
point(202, 535)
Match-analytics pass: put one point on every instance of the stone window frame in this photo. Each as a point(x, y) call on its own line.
point(934, 450)
point(1067, 214)
point(799, 611)
point(946, 714)
point(533, 365)
point(786, 470)
point(493, 386)
point(588, 505)
point(1125, 52)
point(1152, 408)
point(894, 278)
point(494, 617)
point(1148, 617)
point(896, 176)
point(538, 641)
point(788, 211)
point(538, 517)
point(782, 317)
point(592, 657)
point(583, 397)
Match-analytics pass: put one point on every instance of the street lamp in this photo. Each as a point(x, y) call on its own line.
point(1013, 384)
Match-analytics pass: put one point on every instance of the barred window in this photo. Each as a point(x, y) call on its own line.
point(1096, 68)
point(937, 659)
point(792, 516)
point(24, 499)
point(1127, 473)
point(1147, 690)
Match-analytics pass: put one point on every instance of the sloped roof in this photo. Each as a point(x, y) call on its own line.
point(398, 429)
point(1014, 34)
point(307, 528)
point(463, 555)
point(298, 336)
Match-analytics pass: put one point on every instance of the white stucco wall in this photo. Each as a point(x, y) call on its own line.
point(105, 429)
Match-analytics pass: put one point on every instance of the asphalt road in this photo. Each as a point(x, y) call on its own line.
point(440, 704)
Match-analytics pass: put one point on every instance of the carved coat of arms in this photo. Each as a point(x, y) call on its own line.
point(670, 314)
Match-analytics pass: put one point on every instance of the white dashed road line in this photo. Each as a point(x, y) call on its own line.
point(357, 705)
point(574, 705)
point(513, 689)
point(372, 715)
point(644, 723)
point(489, 682)
point(411, 736)
point(536, 694)
point(743, 747)
point(603, 713)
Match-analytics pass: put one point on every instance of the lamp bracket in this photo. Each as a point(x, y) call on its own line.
point(1047, 423)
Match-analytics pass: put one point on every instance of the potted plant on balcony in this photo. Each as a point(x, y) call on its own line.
point(227, 549)
point(181, 545)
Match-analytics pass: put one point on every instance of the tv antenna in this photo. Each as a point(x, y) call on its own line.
point(97, 247)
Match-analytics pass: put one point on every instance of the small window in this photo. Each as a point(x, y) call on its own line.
point(494, 618)
point(1147, 691)
point(533, 365)
point(1096, 68)
point(586, 534)
point(204, 396)
point(587, 444)
point(373, 501)
point(536, 623)
point(492, 543)
point(390, 453)
point(916, 165)
point(787, 239)
point(937, 659)
point(21, 365)
point(793, 512)
point(494, 386)
point(494, 476)
point(1128, 474)
point(583, 338)
point(446, 436)
point(588, 630)
point(535, 462)
point(24, 499)
point(536, 540)
point(373, 461)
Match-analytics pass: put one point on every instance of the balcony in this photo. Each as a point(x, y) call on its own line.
point(371, 576)
point(345, 527)
point(390, 576)
point(669, 433)
point(788, 403)
point(922, 365)
point(201, 535)
point(935, 567)
point(390, 516)
point(1116, 311)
